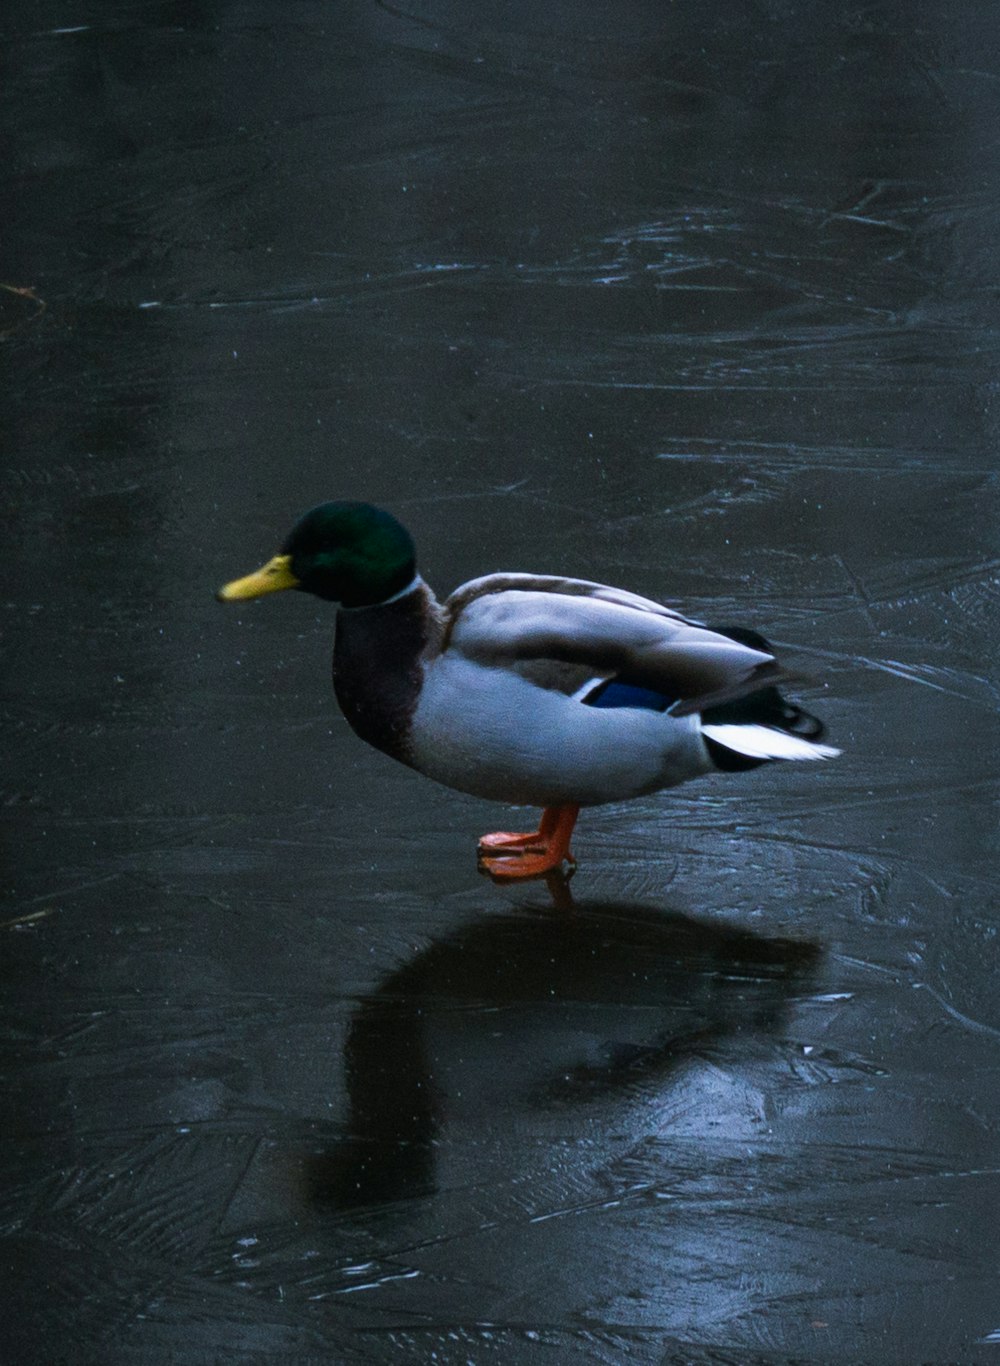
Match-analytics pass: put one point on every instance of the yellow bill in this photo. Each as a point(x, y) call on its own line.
point(272, 578)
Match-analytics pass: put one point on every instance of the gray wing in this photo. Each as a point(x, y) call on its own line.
point(491, 584)
point(517, 620)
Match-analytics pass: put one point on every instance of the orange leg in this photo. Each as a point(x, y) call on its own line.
point(531, 854)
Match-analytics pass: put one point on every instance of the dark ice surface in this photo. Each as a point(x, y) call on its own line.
point(698, 298)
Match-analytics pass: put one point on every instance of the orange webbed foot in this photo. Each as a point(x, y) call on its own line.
point(523, 865)
point(505, 855)
point(502, 840)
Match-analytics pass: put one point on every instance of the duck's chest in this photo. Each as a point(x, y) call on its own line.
point(377, 671)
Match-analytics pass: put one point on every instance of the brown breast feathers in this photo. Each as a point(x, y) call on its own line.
point(377, 672)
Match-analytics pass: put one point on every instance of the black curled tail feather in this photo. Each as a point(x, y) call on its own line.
point(765, 707)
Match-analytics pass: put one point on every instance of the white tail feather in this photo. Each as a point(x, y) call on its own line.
point(763, 742)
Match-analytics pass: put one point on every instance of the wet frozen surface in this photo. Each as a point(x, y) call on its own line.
point(697, 299)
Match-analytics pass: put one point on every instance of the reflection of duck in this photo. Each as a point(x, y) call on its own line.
point(532, 1012)
point(539, 691)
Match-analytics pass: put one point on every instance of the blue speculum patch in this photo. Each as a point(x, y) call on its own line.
point(615, 694)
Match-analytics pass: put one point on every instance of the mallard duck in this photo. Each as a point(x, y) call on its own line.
point(539, 691)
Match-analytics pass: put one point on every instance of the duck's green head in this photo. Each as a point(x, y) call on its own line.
point(351, 553)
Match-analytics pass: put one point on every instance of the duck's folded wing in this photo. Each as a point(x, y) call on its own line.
point(492, 584)
point(611, 637)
